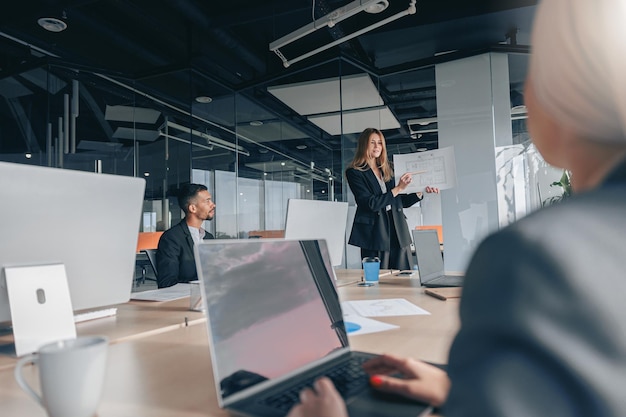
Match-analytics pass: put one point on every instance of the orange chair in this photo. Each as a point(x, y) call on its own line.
point(148, 240)
point(147, 244)
point(436, 227)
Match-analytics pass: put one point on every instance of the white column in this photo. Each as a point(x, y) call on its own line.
point(473, 112)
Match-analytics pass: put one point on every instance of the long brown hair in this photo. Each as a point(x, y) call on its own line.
point(360, 157)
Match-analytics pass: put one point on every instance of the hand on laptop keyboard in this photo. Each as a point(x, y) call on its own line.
point(322, 400)
point(348, 378)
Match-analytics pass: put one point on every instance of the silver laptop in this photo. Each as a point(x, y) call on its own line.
point(430, 261)
point(275, 324)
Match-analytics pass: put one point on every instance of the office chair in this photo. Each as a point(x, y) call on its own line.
point(143, 263)
point(151, 254)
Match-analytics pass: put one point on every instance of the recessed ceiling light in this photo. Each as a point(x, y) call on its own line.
point(204, 99)
point(301, 147)
point(28, 155)
point(52, 24)
point(422, 149)
point(377, 7)
point(146, 174)
point(256, 123)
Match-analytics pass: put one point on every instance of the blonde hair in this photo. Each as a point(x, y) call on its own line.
point(586, 89)
point(360, 157)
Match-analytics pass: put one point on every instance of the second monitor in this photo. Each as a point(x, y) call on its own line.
point(313, 219)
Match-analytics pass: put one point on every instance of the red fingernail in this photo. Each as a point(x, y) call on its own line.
point(376, 380)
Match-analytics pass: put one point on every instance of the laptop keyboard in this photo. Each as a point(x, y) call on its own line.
point(348, 377)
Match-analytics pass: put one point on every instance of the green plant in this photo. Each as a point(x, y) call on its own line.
point(565, 184)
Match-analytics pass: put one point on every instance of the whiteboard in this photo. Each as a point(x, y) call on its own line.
point(313, 219)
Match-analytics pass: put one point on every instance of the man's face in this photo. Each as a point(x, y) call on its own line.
point(202, 206)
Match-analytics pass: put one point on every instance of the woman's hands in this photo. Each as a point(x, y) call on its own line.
point(415, 379)
point(324, 401)
point(404, 182)
point(418, 381)
point(428, 190)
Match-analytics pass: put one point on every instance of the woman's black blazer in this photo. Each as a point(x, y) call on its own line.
point(370, 229)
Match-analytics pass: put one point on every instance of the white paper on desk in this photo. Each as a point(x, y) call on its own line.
point(175, 292)
point(435, 168)
point(383, 308)
point(366, 325)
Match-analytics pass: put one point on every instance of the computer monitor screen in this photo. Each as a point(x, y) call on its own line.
point(88, 222)
point(313, 219)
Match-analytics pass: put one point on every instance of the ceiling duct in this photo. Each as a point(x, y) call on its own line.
point(331, 19)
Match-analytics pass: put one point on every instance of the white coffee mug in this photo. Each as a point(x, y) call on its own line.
point(71, 375)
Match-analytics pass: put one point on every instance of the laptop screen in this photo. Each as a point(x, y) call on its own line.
point(266, 313)
point(428, 254)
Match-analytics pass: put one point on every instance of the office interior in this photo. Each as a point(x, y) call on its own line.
point(190, 91)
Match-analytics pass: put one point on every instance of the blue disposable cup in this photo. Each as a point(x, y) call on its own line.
point(371, 269)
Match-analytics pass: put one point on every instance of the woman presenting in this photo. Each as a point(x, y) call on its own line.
point(380, 227)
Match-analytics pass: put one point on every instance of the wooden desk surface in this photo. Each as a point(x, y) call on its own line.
point(168, 372)
point(133, 320)
point(426, 337)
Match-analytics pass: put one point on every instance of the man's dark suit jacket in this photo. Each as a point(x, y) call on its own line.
point(175, 259)
point(370, 229)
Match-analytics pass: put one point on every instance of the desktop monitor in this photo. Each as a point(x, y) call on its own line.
point(313, 219)
point(89, 222)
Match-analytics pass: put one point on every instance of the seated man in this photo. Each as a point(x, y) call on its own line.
point(175, 258)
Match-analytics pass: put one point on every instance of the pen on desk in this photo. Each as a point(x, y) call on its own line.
point(434, 294)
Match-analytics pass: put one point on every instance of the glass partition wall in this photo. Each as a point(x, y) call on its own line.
point(287, 137)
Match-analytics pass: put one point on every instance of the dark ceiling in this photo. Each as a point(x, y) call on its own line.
point(153, 44)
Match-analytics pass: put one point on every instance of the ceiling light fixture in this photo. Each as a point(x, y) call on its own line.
point(519, 112)
point(256, 123)
point(301, 147)
point(521, 109)
point(334, 17)
point(377, 7)
point(52, 24)
point(212, 140)
point(204, 99)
